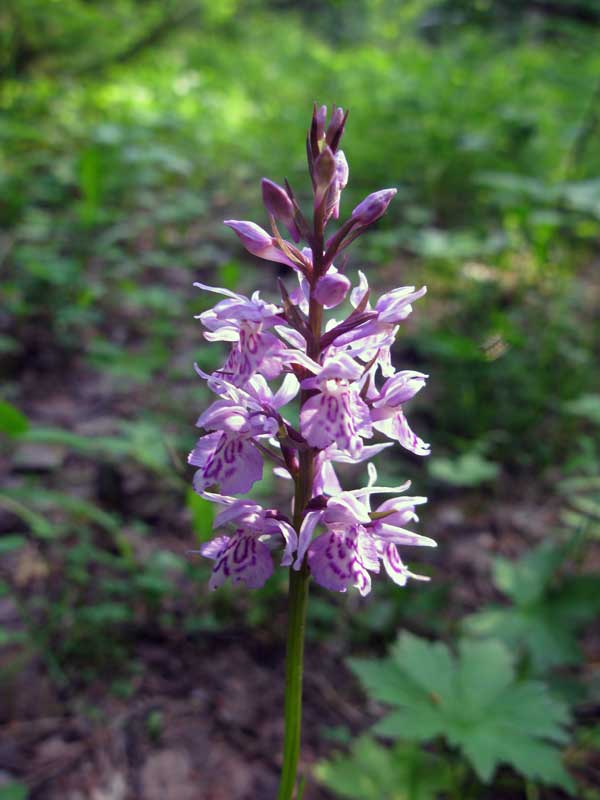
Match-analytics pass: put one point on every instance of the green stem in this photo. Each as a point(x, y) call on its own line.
point(294, 665)
point(298, 601)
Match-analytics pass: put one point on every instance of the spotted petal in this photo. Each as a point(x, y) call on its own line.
point(334, 560)
point(338, 416)
point(235, 466)
point(395, 567)
point(243, 559)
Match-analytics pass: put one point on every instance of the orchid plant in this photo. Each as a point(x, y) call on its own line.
point(341, 374)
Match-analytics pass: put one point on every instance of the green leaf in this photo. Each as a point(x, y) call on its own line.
point(39, 524)
point(525, 580)
point(14, 791)
point(373, 772)
point(141, 440)
point(586, 406)
point(105, 614)
point(86, 445)
point(531, 630)
point(11, 542)
point(12, 421)
point(486, 671)
point(469, 469)
point(229, 274)
point(473, 700)
point(384, 684)
point(547, 612)
point(81, 509)
point(202, 512)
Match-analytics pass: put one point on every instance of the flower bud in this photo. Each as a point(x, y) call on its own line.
point(254, 238)
point(331, 289)
point(339, 184)
point(320, 118)
point(324, 173)
point(373, 207)
point(257, 241)
point(279, 205)
point(335, 129)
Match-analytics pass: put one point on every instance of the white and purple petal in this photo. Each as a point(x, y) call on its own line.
point(397, 427)
point(396, 305)
point(235, 466)
point(204, 449)
point(336, 415)
point(215, 547)
point(400, 388)
point(395, 567)
point(307, 528)
point(331, 557)
point(335, 561)
point(244, 559)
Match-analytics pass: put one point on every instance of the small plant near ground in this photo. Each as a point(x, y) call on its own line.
point(473, 702)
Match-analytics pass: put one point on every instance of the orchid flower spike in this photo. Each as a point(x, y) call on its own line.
point(298, 396)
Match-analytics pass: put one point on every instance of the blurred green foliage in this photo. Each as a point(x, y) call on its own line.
point(128, 130)
point(374, 772)
point(548, 609)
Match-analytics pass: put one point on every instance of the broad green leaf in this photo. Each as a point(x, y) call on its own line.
point(421, 721)
point(534, 630)
point(428, 665)
point(473, 700)
point(486, 671)
point(384, 684)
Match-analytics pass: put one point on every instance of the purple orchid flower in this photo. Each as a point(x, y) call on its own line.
point(243, 322)
point(356, 538)
point(372, 341)
point(245, 557)
point(387, 415)
point(230, 456)
point(347, 389)
point(336, 413)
